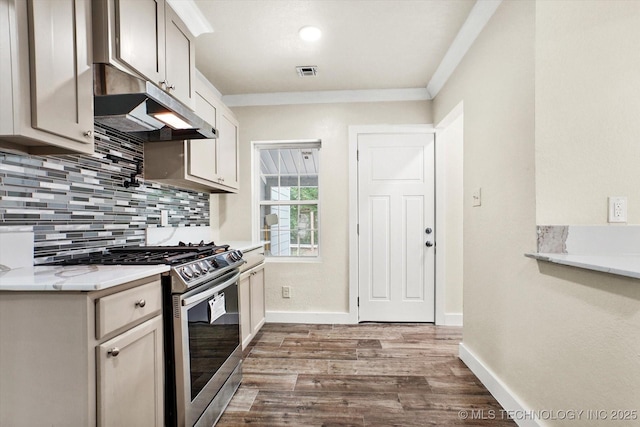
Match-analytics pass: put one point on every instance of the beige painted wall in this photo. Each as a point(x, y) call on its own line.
point(449, 170)
point(587, 109)
point(320, 287)
point(560, 338)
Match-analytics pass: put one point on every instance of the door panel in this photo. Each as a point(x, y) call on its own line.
point(395, 205)
point(379, 232)
point(413, 214)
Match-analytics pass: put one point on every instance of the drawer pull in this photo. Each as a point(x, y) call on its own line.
point(114, 352)
point(141, 303)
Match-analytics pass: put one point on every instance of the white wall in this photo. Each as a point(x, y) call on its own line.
point(556, 337)
point(316, 287)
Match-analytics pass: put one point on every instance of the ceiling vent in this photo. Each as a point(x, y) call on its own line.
point(307, 70)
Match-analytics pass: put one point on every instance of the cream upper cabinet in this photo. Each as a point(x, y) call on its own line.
point(215, 160)
point(46, 90)
point(147, 37)
point(227, 151)
point(201, 164)
point(139, 35)
point(180, 59)
point(202, 152)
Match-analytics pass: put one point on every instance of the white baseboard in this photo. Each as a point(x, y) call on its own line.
point(509, 401)
point(304, 317)
point(452, 319)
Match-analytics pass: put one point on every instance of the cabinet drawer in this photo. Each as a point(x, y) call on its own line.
point(123, 308)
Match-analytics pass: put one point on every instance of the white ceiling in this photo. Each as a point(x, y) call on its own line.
point(366, 44)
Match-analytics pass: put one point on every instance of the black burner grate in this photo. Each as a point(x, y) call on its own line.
point(148, 255)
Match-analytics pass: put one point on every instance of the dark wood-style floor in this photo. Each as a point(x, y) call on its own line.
point(359, 375)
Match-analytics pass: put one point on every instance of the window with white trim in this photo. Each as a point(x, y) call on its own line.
point(287, 198)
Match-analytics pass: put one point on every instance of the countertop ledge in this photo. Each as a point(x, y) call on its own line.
point(83, 278)
point(627, 265)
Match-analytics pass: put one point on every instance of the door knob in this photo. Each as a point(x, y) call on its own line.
point(428, 230)
point(429, 244)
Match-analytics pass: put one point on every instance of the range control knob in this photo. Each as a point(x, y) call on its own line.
point(197, 271)
point(204, 265)
point(235, 256)
point(186, 272)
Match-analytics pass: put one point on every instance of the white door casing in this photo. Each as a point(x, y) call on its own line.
point(395, 206)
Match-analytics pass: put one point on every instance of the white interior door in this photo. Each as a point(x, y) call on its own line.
point(395, 208)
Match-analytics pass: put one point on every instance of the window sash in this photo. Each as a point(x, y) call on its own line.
point(298, 247)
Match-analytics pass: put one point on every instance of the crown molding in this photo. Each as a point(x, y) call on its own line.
point(478, 17)
point(326, 97)
point(192, 16)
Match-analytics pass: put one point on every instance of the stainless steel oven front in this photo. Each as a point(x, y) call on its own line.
point(206, 350)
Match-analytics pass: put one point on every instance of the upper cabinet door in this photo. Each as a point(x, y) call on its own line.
point(140, 36)
point(202, 152)
point(61, 74)
point(180, 59)
point(227, 152)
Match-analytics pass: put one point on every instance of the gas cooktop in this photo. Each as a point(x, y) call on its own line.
point(150, 255)
point(191, 264)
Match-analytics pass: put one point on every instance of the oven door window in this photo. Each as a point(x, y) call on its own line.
point(214, 333)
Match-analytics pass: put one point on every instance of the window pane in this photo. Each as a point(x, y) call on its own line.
point(289, 175)
point(290, 230)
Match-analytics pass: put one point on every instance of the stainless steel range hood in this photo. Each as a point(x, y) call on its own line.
point(132, 105)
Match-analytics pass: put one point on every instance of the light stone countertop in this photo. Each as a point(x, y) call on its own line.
point(75, 277)
point(627, 265)
point(245, 245)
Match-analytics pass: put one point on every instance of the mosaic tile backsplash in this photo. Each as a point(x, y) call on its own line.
point(76, 204)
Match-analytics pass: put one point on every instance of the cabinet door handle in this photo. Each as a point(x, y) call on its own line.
point(141, 303)
point(114, 352)
point(88, 134)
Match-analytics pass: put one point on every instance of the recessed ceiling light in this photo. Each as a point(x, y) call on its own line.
point(310, 33)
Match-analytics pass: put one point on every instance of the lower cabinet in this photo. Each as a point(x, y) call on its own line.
point(83, 358)
point(252, 309)
point(130, 370)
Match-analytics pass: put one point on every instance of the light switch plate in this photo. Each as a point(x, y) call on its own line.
point(477, 197)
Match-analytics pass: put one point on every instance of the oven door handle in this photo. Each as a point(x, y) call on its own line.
point(201, 296)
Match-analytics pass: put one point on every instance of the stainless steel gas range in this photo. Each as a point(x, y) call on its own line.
point(203, 356)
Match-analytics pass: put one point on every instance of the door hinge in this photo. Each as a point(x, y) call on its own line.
point(358, 229)
point(357, 155)
point(358, 302)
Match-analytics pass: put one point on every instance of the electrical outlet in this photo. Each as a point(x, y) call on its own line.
point(617, 209)
point(286, 292)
